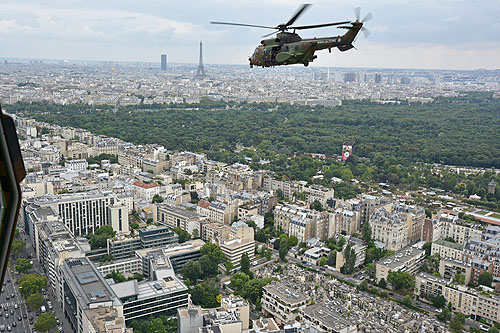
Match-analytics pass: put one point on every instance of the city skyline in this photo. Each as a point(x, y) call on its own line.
point(404, 35)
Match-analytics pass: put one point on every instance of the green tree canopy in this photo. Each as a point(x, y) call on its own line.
point(45, 322)
point(245, 264)
point(23, 265)
point(156, 325)
point(457, 323)
point(34, 301)
point(184, 236)
point(192, 270)
point(485, 279)
point(117, 276)
point(316, 205)
point(331, 259)
point(401, 280)
point(438, 301)
point(32, 284)
point(204, 295)
point(18, 247)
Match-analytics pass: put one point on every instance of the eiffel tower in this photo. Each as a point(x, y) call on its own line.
point(201, 70)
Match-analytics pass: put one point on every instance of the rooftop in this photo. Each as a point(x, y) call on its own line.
point(88, 283)
point(449, 244)
point(325, 316)
point(286, 293)
point(399, 258)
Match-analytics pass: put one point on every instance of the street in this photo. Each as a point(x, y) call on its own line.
point(9, 315)
point(24, 325)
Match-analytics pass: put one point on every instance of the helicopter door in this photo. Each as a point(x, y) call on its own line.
point(267, 55)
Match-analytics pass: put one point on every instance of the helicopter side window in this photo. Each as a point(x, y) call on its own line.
point(296, 47)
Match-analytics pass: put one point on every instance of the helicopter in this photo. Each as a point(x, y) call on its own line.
point(288, 48)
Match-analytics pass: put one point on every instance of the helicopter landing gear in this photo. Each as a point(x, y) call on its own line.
point(306, 64)
point(251, 65)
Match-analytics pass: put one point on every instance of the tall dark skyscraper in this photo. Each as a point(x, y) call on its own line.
point(163, 62)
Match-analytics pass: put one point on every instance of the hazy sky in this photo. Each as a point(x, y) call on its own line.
point(440, 34)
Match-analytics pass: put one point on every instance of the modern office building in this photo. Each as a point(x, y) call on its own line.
point(150, 237)
point(160, 261)
point(163, 62)
point(151, 298)
point(88, 299)
point(82, 213)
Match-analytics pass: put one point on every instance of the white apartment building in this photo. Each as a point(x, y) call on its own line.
point(390, 228)
point(76, 165)
point(283, 302)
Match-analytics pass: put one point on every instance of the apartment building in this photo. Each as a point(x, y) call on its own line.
point(76, 165)
point(302, 222)
point(283, 302)
point(346, 221)
point(82, 213)
point(324, 319)
point(408, 259)
point(390, 228)
point(447, 249)
point(176, 217)
point(470, 302)
point(448, 268)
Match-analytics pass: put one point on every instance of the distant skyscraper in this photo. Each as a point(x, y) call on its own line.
point(163, 62)
point(378, 78)
point(350, 77)
point(201, 70)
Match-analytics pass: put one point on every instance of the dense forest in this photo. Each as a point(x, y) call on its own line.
point(456, 131)
point(460, 131)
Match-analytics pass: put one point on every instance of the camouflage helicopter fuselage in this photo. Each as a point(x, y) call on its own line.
point(289, 48)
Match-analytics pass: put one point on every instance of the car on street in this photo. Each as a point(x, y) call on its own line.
point(19, 318)
point(14, 324)
point(15, 306)
point(12, 295)
point(483, 327)
point(11, 311)
point(2, 328)
point(9, 328)
point(7, 297)
point(6, 315)
point(24, 315)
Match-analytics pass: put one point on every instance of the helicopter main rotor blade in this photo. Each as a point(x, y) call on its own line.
point(269, 34)
point(299, 12)
point(244, 25)
point(314, 26)
point(366, 32)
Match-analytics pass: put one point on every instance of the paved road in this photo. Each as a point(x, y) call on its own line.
point(8, 305)
point(29, 250)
